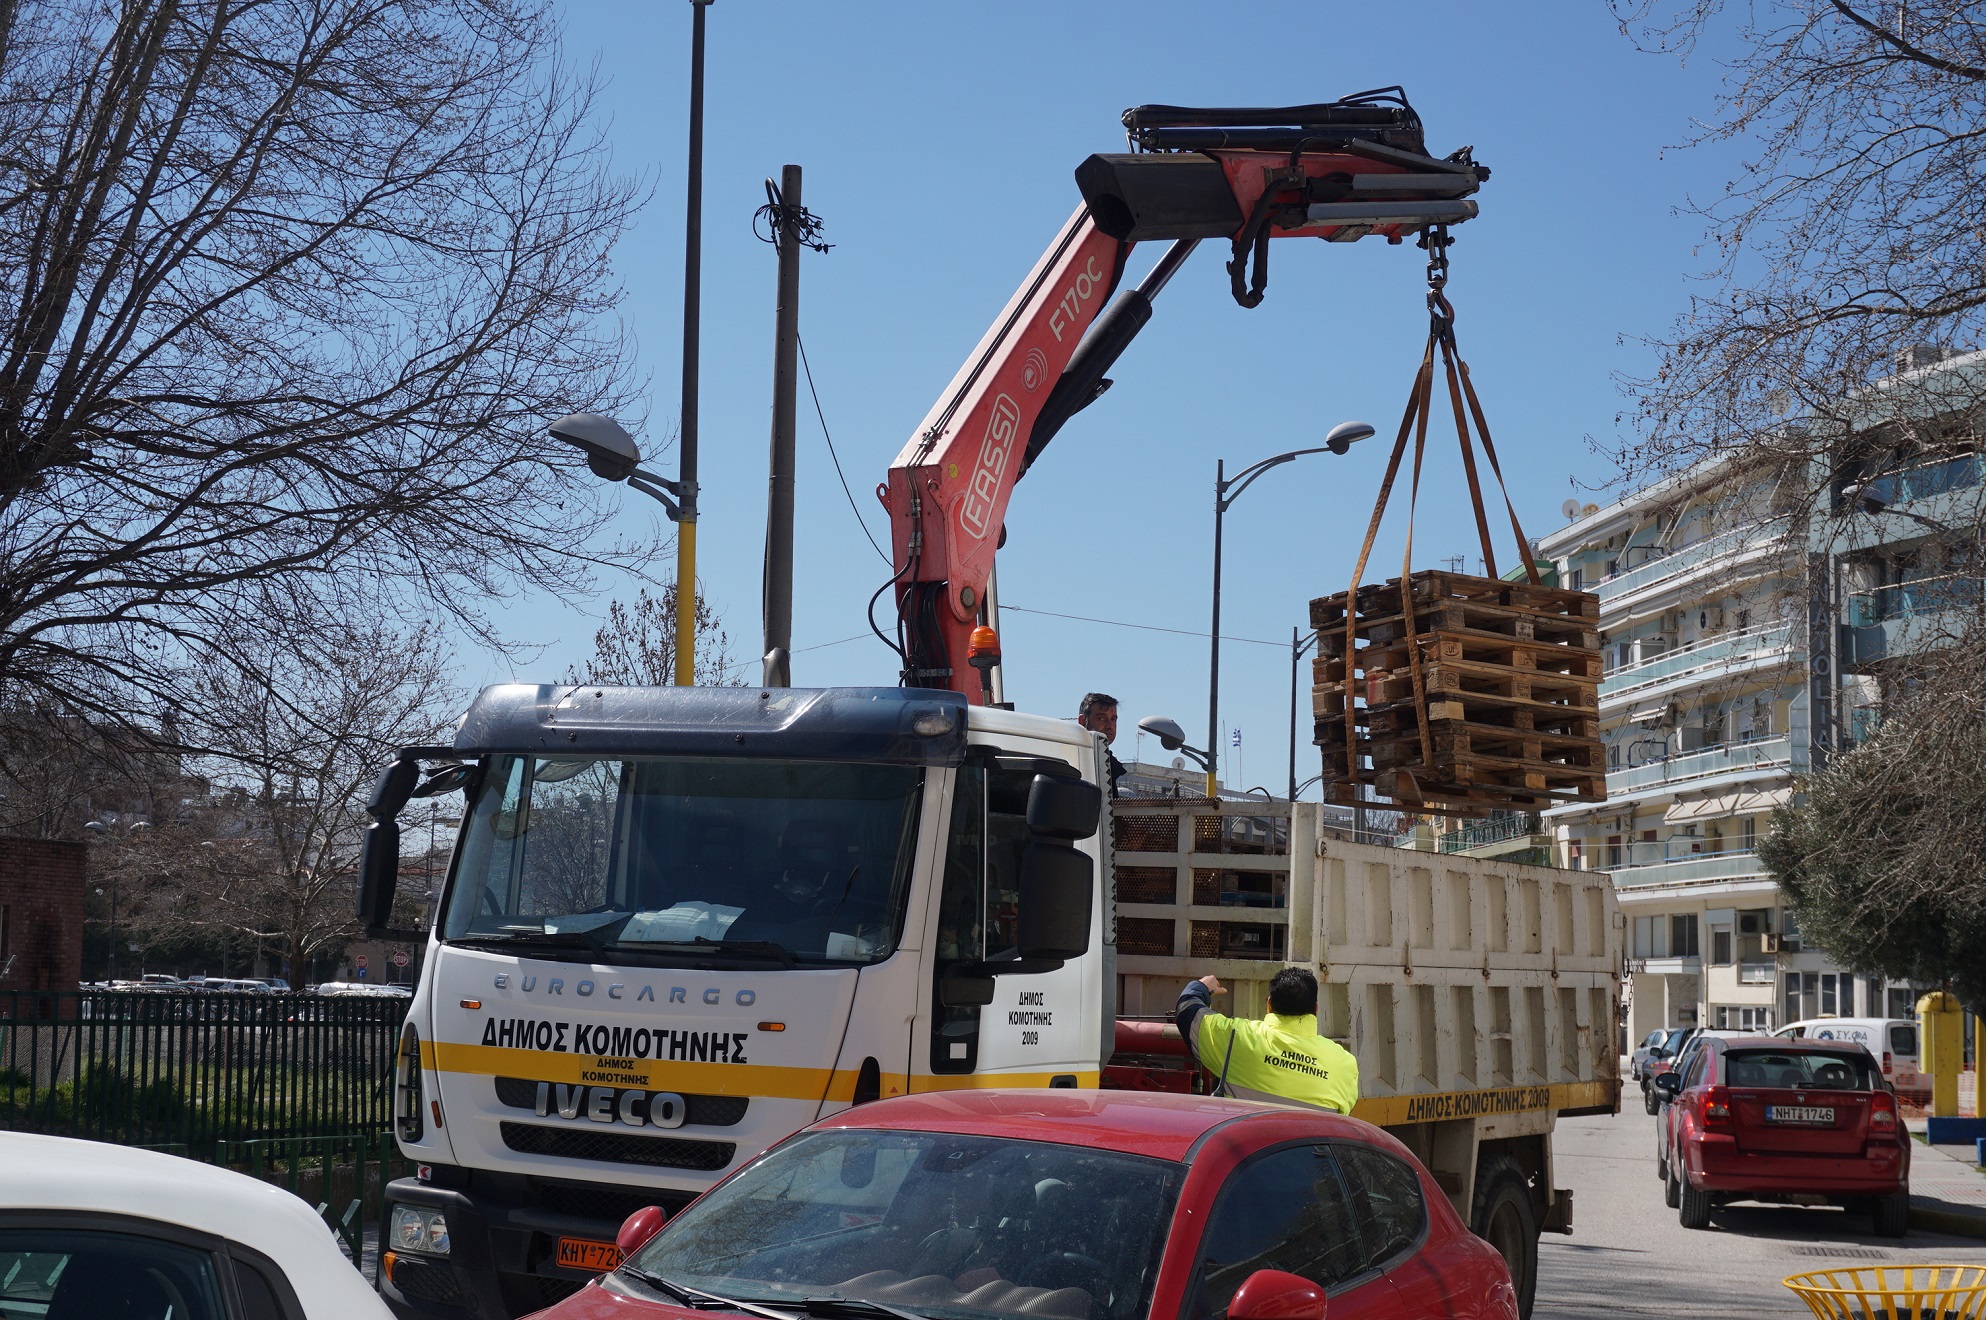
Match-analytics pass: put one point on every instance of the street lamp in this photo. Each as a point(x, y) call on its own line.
point(1863, 495)
point(1336, 441)
point(1173, 739)
point(97, 827)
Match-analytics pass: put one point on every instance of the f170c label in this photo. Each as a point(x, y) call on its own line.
point(605, 1042)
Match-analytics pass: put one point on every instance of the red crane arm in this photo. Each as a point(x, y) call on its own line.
point(1338, 171)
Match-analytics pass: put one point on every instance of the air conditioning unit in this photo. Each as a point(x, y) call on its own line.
point(1768, 943)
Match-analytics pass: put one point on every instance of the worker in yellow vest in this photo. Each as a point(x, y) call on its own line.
point(1280, 1059)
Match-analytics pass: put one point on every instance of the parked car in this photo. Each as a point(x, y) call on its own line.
point(93, 1230)
point(1799, 1122)
point(1891, 1040)
point(1066, 1205)
point(1689, 1039)
point(1660, 1043)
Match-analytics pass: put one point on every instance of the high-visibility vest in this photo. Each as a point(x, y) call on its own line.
point(1279, 1058)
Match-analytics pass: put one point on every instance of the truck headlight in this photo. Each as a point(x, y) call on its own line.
point(415, 1228)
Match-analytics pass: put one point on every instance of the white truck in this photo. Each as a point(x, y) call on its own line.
point(682, 923)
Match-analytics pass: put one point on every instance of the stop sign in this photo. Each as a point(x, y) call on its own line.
point(359, 962)
point(400, 958)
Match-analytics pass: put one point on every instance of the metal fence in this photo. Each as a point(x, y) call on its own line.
point(196, 1073)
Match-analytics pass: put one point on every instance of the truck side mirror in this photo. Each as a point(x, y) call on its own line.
point(379, 863)
point(1058, 882)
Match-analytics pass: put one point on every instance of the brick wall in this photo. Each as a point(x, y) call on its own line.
point(41, 913)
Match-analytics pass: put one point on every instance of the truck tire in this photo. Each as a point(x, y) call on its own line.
point(1505, 1217)
point(1890, 1215)
point(1693, 1208)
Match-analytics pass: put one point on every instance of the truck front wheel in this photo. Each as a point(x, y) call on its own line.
point(1505, 1217)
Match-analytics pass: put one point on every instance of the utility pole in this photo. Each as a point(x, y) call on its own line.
point(778, 593)
point(692, 321)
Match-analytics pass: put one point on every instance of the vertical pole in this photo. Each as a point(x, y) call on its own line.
point(778, 597)
point(1214, 663)
point(692, 308)
point(1295, 656)
point(990, 609)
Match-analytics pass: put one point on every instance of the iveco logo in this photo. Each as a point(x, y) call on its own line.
point(558, 985)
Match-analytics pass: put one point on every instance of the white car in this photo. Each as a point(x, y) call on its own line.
point(92, 1230)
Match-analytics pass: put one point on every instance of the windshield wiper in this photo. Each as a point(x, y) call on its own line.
point(772, 949)
point(696, 1298)
point(549, 939)
point(828, 1307)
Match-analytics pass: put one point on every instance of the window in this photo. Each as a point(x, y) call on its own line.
point(1694, 1073)
point(1789, 931)
point(1649, 941)
point(1682, 937)
point(1903, 1040)
point(981, 896)
point(1613, 850)
point(1285, 1210)
point(1751, 834)
point(75, 1272)
point(1394, 1214)
point(1720, 946)
point(1797, 1069)
point(1902, 1002)
point(1576, 580)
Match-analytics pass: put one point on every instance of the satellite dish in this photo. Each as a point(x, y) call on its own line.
point(1179, 763)
point(1570, 508)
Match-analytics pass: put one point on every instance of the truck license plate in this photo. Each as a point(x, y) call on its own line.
point(587, 1254)
point(1798, 1114)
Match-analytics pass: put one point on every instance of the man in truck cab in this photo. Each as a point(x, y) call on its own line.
point(1280, 1059)
point(1098, 714)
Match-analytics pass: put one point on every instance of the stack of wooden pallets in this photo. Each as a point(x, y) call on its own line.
point(1511, 676)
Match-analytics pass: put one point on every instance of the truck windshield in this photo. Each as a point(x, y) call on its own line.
point(950, 1226)
point(796, 861)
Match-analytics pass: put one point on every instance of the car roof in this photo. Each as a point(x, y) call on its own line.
point(1157, 1124)
point(1794, 1045)
point(63, 1173)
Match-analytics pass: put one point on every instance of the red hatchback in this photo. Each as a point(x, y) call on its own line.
point(1062, 1205)
point(1801, 1122)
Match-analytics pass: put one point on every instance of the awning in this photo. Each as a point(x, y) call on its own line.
point(1648, 714)
point(1727, 804)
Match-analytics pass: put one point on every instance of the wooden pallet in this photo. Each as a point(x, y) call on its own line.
point(1510, 678)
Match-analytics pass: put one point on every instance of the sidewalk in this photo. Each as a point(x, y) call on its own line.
point(1947, 1190)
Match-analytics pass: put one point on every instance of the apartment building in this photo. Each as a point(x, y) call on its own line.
point(1749, 620)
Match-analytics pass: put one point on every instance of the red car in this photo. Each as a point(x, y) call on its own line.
point(1062, 1205)
point(1798, 1122)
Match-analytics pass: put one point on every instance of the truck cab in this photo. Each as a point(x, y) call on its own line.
point(680, 924)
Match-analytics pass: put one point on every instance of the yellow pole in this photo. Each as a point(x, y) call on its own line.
point(1941, 1046)
point(685, 604)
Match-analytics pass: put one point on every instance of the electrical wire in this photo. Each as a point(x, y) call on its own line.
point(1143, 627)
point(853, 507)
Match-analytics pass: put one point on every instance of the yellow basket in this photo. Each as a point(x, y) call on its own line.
point(1894, 1292)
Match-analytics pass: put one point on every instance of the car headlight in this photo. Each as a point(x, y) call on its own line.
point(415, 1228)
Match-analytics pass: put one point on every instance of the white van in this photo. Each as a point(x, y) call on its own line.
point(1892, 1040)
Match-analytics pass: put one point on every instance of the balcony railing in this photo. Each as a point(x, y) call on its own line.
point(1702, 655)
point(1727, 759)
point(1483, 833)
point(1709, 866)
point(1753, 536)
point(1909, 600)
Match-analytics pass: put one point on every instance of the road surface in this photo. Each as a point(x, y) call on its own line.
point(1629, 1257)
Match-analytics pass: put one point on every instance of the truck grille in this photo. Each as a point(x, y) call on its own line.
point(426, 1280)
point(701, 1110)
point(617, 1148)
point(613, 1204)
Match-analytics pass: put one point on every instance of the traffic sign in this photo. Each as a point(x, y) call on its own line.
point(400, 958)
point(359, 962)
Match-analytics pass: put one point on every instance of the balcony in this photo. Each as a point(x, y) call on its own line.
point(1517, 825)
point(1732, 758)
point(1718, 658)
point(1739, 541)
point(1915, 599)
point(1738, 864)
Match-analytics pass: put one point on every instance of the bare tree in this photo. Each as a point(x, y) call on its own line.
point(637, 645)
point(268, 851)
point(287, 291)
point(1849, 251)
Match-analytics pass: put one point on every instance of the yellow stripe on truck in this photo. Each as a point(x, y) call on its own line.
point(747, 1079)
point(1393, 1110)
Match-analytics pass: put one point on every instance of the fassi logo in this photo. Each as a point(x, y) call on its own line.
point(1003, 426)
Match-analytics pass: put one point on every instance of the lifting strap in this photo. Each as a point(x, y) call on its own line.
point(1466, 408)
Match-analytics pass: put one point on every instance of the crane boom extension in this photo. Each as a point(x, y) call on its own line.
point(1338, 171)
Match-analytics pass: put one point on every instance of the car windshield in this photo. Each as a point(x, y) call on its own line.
point(1790, 1070)
point(791, 860)
point(941, 1224)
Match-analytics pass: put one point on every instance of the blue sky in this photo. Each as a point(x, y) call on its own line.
point(939, 142)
